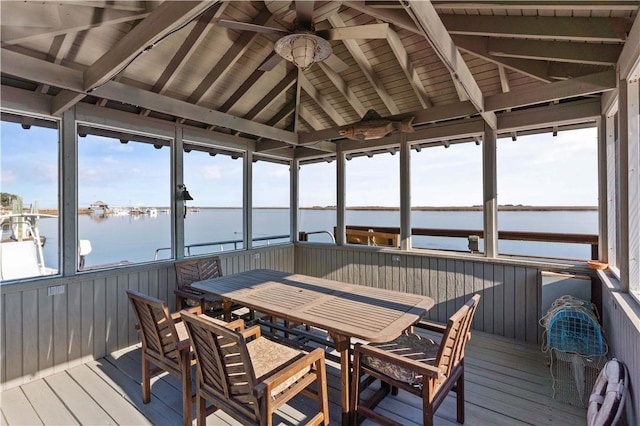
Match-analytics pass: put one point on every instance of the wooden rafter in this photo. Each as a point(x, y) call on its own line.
point(358, 55)
point(343, 88)
point(428, 20)
point(315, 94)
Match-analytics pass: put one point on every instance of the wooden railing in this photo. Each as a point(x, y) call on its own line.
point(547, 237)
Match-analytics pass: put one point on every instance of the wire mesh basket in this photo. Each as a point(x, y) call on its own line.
point(573, 330)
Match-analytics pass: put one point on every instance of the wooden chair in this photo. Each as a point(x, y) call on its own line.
point(190, 271)
point(421, 366)
point(251, 380)
point(165, 344)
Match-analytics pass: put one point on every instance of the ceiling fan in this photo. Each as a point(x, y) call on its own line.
point(304, 45)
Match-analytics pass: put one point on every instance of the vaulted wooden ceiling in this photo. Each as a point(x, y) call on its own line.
point(192, 62)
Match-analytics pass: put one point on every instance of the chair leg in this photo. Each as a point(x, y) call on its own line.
point(146, 380)
point(187, 399)
point(460, 398)
point(354, 399)
point(201, 409)
point(321, 372)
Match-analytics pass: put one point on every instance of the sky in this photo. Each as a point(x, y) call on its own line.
point(137, 174)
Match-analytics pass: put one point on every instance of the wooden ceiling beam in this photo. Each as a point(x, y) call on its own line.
point(311, 119)
point(610, 30)
point(407, 67)
point(560, 51)
point(549, 116)
point(45, 72)
point(361, 59)
point(320, 100)
point(575, 87)
point(343, 88)
point(629, 62)
point(397, 17)
point(245, 87)
point(165, 18)
point(435, 32)
point(288, 109)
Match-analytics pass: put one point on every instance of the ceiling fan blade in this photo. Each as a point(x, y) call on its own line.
point(270, 62)
point(362, 32)
point(304, 14)
point(244, 26)
point(336, 63)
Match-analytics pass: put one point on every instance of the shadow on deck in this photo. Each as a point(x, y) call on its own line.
point(507, 383)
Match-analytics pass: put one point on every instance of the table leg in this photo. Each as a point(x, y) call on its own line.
point(343, 346)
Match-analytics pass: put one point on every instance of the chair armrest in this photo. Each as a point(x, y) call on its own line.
point(251, 332)
point(237, 325)
point(196, 310)
point(188, 294)
point(433, 326)
point(300, 364)
point(417, 366)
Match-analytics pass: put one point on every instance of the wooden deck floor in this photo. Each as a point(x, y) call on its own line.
point(507, 383)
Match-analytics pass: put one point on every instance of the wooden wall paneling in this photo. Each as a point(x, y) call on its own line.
point(509, 301)
point(13, 331)
point(99, 317)
point(3, 343)
point(488, 297)
point(60, 328)
point(498, 300)
point(45, 332)
point(123, 308)
point(469, 281)
point(433, 292)
point(478, 287)
point(132, 333)
point(533, 300)
point(446, 282)
point(30, 332)
point(520, 283)
point(461, 290)
point(111, 314)
point(87, 321)
point(153, 283)
point(164, 292)
point(74, 323)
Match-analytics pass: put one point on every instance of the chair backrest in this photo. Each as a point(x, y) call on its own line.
point(190, 271)
point(159, 335)
point(456, 336)
point(224, 367)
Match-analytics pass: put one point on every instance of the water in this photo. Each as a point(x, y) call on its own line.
point(136, 238)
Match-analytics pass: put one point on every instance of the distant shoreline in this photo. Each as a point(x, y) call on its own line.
point(381, 208)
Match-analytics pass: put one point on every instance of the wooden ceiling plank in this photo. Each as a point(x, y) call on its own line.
point(234, 53)
point(344, 88)
point(286, 111)
point(407, 67)
point(164, 19)
point(16, 35)
point(191, 42)
point(612, 30)
point(244, 88)
point(358, 55)
point(581, 53)
point(321, 100)
point(435, 32)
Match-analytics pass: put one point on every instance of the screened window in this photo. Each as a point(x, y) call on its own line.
point(271, 202)
point(124, 198)
point(446, 195)
point(372, 196)
point(317, 201)
point(214, 219)
point(29, 154)
point(561, 199)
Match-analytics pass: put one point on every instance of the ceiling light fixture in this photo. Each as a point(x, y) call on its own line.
point(303, 49)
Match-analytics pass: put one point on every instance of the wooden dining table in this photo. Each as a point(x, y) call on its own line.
point(344, 310)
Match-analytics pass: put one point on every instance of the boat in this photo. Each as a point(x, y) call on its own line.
point(21, 254)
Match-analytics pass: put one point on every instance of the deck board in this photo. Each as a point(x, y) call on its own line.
point(501, 389)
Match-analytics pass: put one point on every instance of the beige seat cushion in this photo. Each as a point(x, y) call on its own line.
point(266, 356)
point(407, 345)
